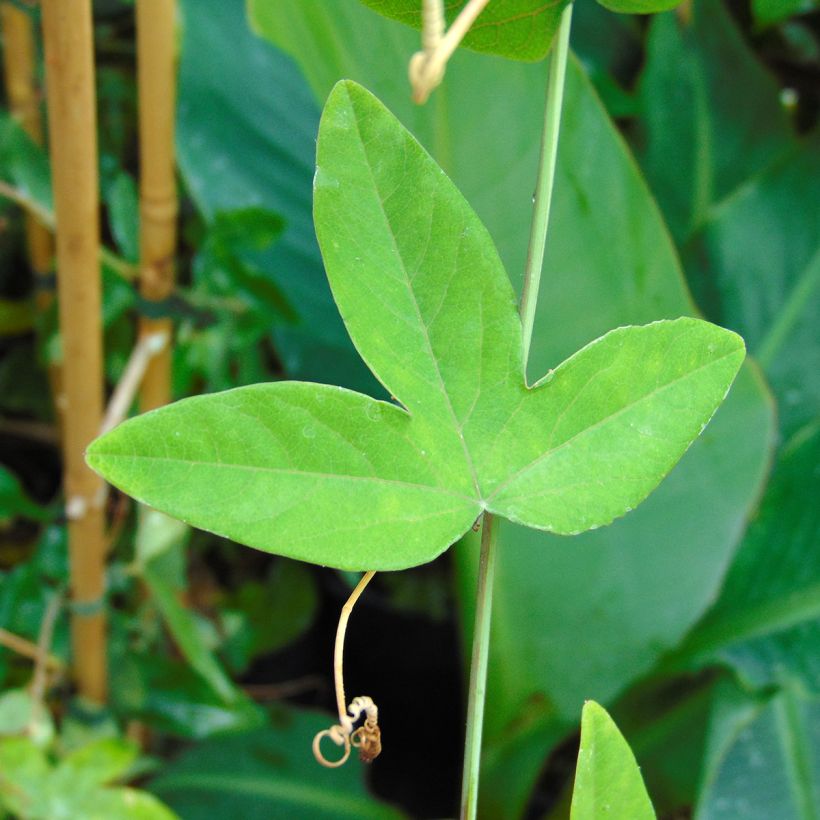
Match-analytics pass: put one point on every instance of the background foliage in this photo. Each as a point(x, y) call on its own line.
point(687, 182)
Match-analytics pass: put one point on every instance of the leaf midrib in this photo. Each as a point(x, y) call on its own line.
point(647, 396)
point(289, 471)
point(425, 330)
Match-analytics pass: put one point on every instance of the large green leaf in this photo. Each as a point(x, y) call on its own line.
point(430, 309)
point(607, 779)
point(765, 621)
point(711, 113)
point(763, 759)
point(265, 774)
point(520, 29)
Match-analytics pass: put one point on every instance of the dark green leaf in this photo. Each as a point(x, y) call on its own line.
point(764, 759)
point(228, 117)
point(265, 774)
point(711, 114)
point(765, 621)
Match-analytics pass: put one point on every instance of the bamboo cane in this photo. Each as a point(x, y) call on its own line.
point(69, 57)
point(156, 77)
point(20, 65)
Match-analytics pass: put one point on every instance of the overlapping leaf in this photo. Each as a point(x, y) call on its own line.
point(335, 477)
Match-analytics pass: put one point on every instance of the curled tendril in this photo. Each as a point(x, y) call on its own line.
point(338, 735)
point(367, 738)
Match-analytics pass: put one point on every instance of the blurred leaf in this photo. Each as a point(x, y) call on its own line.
point(764, 760)
point(607, 780)
point(24, 770)
point(226, 263)
point(157, 533)
point(33, 789)
point(518, 29)
point(15, 502)
point(123, 213)
point(20, 714)
point(227, 119)
point(23, 163)
point(187, 636)
point(270, 614)
point(765, 623)
point(264, 774)
point(712, 116)
point(16, 317)
point(756, 265)
point(770, 12)
point(97, 763)
point(175, 699)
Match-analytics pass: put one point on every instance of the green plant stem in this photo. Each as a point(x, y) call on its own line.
point(546, 177)
point(529, 298)
point(478, 668)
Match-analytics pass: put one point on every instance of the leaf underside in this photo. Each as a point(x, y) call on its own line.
point(335, 477)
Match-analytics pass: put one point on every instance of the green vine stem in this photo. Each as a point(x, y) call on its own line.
point(546, 178)
point(529, 299)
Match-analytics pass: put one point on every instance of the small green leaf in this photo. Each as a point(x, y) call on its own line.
point(334, 477)
point(183, 627)
point(519, 29)
point(607, 781)
point(15, 502)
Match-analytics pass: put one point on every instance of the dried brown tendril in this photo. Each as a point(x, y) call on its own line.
point(367, 737)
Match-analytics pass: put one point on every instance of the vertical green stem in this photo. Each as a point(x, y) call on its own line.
point(529, 299)
point(546, 177)
point(478, 668)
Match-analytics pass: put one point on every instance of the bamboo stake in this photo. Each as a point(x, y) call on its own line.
point(156, 74)
point(69, 56)
point(20, 64)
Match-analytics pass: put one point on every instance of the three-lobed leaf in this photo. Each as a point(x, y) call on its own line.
point(334, 477)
